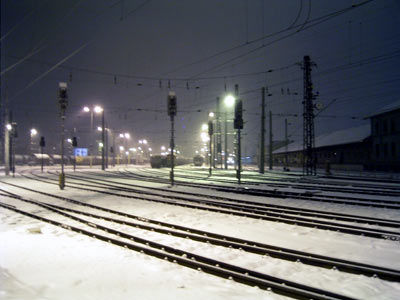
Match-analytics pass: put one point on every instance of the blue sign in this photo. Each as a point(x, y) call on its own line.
point(81, 152)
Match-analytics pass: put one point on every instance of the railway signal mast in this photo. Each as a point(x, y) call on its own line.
point(309, 163)
point(172, 108)
point(63, 101)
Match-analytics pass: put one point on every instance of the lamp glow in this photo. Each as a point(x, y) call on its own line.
point(33, 132)
point(229, 100)
point(98, 109)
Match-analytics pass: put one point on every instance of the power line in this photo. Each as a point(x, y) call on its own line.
point(72, 54)
point(40, 46)
point(24, 18)
point(318, 19)
point(312, 23)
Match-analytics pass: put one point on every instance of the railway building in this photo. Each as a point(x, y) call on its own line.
point(374, 146)
point(385, 136)
point(348, 149)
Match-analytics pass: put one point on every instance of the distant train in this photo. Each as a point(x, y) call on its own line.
point(198, 160)
point(164, 161)
point(157, 161)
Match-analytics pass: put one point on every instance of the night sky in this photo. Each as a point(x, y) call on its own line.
point(126, 56)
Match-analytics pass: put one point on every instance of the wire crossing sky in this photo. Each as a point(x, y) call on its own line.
point(127, 55)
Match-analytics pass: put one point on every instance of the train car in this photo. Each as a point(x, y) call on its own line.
point(164, 161)
point(198, 160)
point(157, 161)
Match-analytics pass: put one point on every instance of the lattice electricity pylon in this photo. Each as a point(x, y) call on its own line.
point(309, 159)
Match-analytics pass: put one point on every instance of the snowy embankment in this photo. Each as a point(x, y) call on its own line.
point(41, 261)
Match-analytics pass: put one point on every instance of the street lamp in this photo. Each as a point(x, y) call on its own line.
point(124, 136)
point(33, 133)
point(229, 101)
point(97, 109)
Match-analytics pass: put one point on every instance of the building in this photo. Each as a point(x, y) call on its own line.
point(385, 136)
point(347, 149)
point(374, 146)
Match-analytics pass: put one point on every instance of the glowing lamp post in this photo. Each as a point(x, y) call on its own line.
point(229, 101)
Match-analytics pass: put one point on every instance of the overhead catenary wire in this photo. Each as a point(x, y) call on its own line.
point(71, 54)
point(320, 18)
point(311, 23)
point(22, 21)
point(298, 15)
point(41, 44)
point(262, 38)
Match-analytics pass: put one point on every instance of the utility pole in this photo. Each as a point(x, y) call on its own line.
point(91, 138)
point(74, 145)
point(286, 146)
point(103, 163)
point(226, 140)
point(13, 136)
point(210, 134)
point(270, 140)
point(106, 144)
point(42, 144)
point(262, 135)
point(238, 125)
point(218, 132)
point(7, 138)
point(172, 108)
point(113, 148)
point(309, 165)
point(235, 145)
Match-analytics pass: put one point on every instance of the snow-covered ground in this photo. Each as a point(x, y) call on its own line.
point(41, 261)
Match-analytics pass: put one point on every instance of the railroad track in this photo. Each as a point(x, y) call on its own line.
point(205, 264)
point(302, 183)
point(275, 193)
point(193, 261)
point(243, 204)
point(240, 210)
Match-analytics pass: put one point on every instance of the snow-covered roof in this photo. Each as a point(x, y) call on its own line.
point(390, 107)
point(340, 137)
point(39, 155)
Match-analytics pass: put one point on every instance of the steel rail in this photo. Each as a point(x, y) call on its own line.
point(194, 261)
point(344, 228)
point(247, 204)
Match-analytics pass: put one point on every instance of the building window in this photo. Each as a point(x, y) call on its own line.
point(377, 154)
point(376, 127)
point(385, 126)
point(385, 150)
point(393, 125)
point(393, 149)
